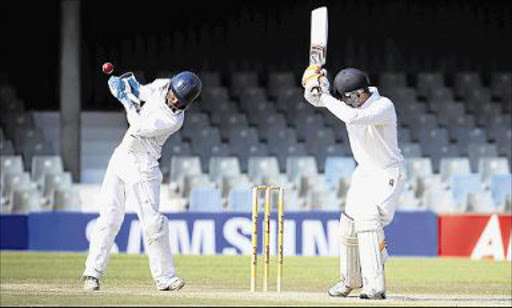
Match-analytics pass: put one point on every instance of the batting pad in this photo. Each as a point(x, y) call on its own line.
point(350, 266)
point(373, 254)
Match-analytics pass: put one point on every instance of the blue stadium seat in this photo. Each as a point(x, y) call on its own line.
point(205, 200)
point(501, 188)
point(337, 168)
point(240, 200)
point(463, 185)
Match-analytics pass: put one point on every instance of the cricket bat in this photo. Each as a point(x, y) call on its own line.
point(319, 29)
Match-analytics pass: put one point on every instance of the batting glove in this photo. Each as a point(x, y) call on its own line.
point(314, 90)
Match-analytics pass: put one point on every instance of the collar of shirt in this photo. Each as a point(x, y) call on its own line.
point(373, 97)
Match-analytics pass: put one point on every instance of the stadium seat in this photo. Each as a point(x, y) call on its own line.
point(261, 168)
point(404, 135)
point(451, 113)
point(423, 125)
point(170, 149)
point(477, 97)
point(244, 153)
point(242, 137)
point(465, 82)
point(441, 202)
point(14, 122)
point(408, 113)
point(182, 166)
point(211, 95)
point(251, 95)
point(443, 151)
point(189, 182)
point(403, 96)
point(53, 182)
point(231, 120)
point(317, 138)
point(205, 139)
point(407, 201)
point(300, 166)
point(501, 84)
point(229, 183)
point(323, 200)
point(289, 97)
point(466, 135)
point(411, 149)
point(11, 164)
point(206, 200)
point(258, 112)
point(278, 80)
point(278, 135)
point(67, 199)
point(338, 168)
point(418, 170)
point(482, 202)
point(6, 147)
point(42, 165)
point(427, 81)
point(392, 80)
point(489, 166)
point(240, 200)
point(477, 151)
point(501, 190)
point(464, 185)
point(225, 166)
point(26, 200)
point(210, 79)
point(450, 166)
point(330, 150)
point(242, 80)
point(439, 97)
point(11, 181)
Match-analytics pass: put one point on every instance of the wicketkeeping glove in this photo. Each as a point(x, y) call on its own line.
point(125, 88)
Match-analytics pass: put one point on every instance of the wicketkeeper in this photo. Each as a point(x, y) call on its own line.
point(133, 174)
point(376, 183)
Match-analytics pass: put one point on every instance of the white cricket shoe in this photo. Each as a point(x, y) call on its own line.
point(175, 284)
point(91, 284)
point(339, 290)
point(372, 295)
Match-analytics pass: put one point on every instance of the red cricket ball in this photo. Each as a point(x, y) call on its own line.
point(107, 68)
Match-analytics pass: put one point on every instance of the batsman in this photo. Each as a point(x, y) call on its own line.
point(133, 173)
point(377, 181)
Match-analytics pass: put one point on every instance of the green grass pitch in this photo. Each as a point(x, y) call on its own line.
point(30, 279)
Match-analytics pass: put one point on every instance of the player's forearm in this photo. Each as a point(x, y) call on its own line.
point(380, 113)
point(338, 108)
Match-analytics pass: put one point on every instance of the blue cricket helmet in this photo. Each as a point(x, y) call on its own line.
point(187, 87)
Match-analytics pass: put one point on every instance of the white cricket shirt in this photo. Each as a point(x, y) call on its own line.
point(152, 124)
point(372, 130)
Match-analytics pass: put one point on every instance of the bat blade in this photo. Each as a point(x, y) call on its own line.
point(319, 30)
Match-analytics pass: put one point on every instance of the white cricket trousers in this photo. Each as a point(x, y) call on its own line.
point(145, 193)
point(373, 194)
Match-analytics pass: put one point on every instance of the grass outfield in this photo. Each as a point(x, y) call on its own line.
point(53, 279)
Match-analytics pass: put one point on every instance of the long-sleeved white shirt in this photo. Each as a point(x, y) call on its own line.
point(152, 124)
point(372, 129)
